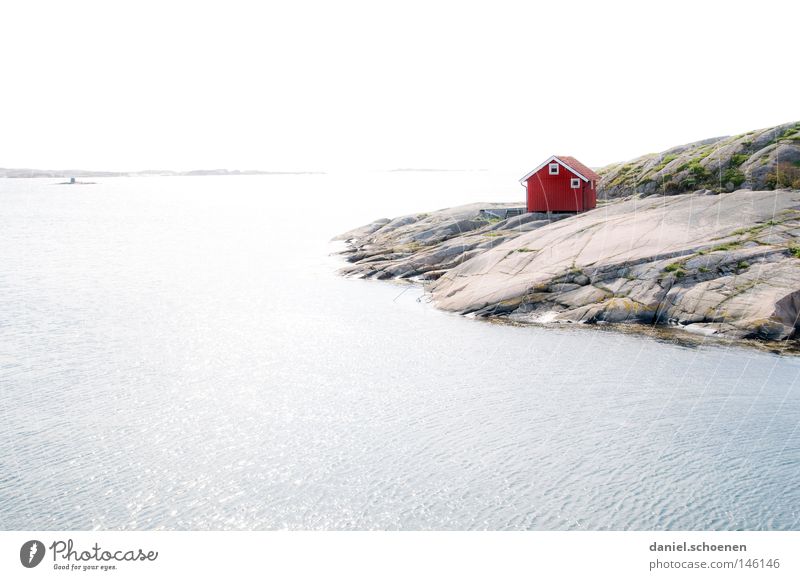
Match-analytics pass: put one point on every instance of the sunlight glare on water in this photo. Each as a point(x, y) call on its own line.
point(178, 353)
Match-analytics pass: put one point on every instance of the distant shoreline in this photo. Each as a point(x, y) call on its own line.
point(24, 173)
point(429, 170)
point(77, 173)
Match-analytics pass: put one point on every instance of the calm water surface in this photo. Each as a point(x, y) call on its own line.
point(177, 353)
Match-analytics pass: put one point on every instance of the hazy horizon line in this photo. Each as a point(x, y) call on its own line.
point(32, 172)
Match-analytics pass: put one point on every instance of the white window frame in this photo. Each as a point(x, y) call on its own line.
point(553, 169)
point(575, 183)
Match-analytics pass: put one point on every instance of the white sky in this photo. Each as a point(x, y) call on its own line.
point(342, 85)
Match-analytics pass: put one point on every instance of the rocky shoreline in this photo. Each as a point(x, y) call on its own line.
point(708, 264)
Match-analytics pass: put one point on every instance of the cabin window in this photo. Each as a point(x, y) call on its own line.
point(554, 169)
point(575, 183)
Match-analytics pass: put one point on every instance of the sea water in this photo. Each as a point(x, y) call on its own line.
point(179, 353)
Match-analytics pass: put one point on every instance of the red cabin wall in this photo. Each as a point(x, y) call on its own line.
point(553, 192)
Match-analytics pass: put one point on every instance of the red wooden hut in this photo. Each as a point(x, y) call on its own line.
point(561, 184)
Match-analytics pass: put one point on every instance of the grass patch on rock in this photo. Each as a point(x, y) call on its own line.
point(733, 176)
point(727, 247)
point(738, 158)
point(676, 268)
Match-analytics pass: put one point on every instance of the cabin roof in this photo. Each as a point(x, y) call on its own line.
point(569, 163)
point(580, 167)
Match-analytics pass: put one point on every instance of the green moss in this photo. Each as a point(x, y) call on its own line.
point(794, 251)
point(665, 161)
point(676, 268)
point(702, 155)
point(738, 159)
point(525, 250)
point(792, 132)
point(688, 183)
point(733, 176)
point(703, 269)
point(727, 247)
point(698, 176)
point(629, 171)
point(742, 265)
point(697, 170)
point(748, 231)
point(493, 234)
